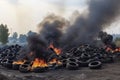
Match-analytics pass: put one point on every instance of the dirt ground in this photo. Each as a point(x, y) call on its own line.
point(108, 72)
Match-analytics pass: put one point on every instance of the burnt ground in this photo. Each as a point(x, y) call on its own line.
point(108, 72)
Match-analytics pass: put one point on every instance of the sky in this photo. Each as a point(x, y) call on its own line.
point(24, 15)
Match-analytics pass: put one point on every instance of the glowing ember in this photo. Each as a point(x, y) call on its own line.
point(57, 51)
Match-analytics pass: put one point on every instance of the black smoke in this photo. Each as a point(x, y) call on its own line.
point(101, 13)
point(36, 48)
point(51, 29)
point(55, 29)
point(107, 39)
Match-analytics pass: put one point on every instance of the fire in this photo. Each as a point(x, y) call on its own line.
point(113, 50)
point(55, 61)
point(19, 62)
point(39, 63)
point(57, 50)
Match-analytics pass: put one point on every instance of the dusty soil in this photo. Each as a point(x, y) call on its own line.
point(108, 72)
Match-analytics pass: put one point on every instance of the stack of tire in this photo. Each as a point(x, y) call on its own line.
point(86, 56)
point(8, 55)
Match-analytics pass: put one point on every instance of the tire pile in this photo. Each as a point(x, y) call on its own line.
point(83, 56)
point(8, 55)
point(86, 56)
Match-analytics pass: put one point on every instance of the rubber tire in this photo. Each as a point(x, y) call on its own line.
point(85, 56)
point(24, 68)
point(72, 60)
point(64, 62)
point(95, 65)
point(72, 66)
point(83, 63)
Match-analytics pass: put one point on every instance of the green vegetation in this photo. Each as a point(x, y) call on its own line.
point(4, 34)
point(117, 41)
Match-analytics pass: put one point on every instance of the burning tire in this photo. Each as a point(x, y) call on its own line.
point(72, 66)
point(24, 68)
point(28, 63)
point(95, 65)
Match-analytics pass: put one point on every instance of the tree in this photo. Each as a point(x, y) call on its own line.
point(15, 35)
point(117, 41)
point(4, 34)
point(22, 38)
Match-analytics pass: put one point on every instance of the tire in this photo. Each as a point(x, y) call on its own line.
point(83, 63)
point(3, 63)
point(72, 66)
point(24, 68)
point(85, 56)
point(95, 65)
point(10, 56)
point(64, 62)
point(28, 63)
point(72, 60)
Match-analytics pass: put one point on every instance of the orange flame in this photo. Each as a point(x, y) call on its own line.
point(57, 51)
point(19, 62)
point(39, 63)
point(113, 50)
point(55, 61)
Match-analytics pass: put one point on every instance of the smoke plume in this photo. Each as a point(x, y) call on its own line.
point(51, 28)
point(85, 29)
point(101, 13)
point(55, 29)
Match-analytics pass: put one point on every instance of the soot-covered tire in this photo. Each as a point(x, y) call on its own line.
point(72, 60)
point(24, 68)
point(95, 65)
point(72, 66)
